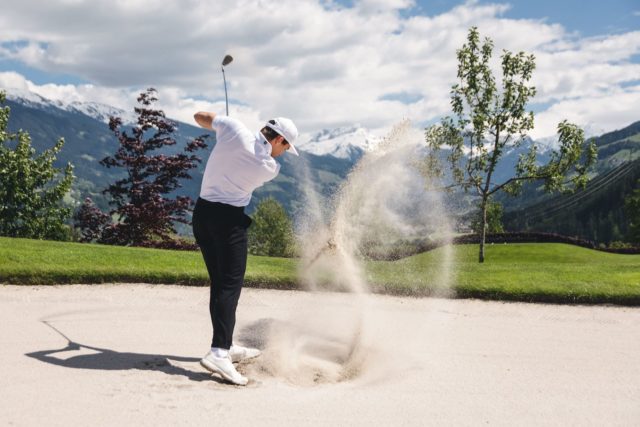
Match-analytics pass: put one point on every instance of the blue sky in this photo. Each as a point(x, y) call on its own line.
point(325, 63)
point(587, 17)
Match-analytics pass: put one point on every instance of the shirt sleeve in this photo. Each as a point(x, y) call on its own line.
point(226, 128)
point(270, 169)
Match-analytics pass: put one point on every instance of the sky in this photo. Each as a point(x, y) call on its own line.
point(323, 63)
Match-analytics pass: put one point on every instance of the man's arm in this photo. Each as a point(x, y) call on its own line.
point(204, 119)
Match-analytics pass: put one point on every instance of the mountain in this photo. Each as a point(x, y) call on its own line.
point(100, 112)
point(88, 140)
point(325, 161)
point(507, 165)
point(595, 213)
point(345, 143)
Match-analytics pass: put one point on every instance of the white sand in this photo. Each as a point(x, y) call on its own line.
point(430, 361)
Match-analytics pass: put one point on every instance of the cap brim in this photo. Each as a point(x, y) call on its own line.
point(292, 150)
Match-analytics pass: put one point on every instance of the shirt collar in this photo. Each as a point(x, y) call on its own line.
point(263, 143)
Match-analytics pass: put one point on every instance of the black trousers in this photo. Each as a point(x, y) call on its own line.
point(221, 232)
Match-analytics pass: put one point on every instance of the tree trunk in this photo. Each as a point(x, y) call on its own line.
point(483, 233)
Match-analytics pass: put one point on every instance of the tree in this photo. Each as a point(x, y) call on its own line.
point(93, 221)
point(271, 232)
point(31, 188)
point(143, 211)
point(494, 219)
point(632, 212)
point(488, 120)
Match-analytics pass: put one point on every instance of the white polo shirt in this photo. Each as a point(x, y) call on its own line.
point(239, 163)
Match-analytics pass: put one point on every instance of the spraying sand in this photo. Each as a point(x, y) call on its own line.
point(134, 351)
point(384, 201)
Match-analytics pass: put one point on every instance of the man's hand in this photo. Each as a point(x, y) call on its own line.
point(204, 119)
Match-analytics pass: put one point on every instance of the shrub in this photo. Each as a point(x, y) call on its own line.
point(271, 233)
point(31, 188)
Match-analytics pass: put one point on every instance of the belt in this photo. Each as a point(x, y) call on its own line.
point(220, 206)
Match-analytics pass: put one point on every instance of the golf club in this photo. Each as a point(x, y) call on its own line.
point(328, 247)
point(226, 61)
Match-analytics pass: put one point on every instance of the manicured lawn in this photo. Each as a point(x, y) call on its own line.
point(552, 272)
point(523, 272)
point(24, 261)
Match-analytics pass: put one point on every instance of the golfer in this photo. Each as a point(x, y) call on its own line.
point(240, 162)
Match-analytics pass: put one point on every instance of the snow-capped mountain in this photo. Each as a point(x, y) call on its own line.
point(547, 143)
point(344, 143)
point(100, 112)
point(89, 140)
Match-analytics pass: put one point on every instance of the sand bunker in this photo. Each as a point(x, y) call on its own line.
point(326, 345)
point(436, 361)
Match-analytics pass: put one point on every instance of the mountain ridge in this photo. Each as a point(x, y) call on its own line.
point(88, 140)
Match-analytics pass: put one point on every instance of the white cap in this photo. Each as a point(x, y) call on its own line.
point(285, 128)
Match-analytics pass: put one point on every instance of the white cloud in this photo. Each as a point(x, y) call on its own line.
point(377, 6)
point(116, 97)
point(596, 114)
point(320, 63)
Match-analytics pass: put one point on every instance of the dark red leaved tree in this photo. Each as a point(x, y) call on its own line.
point(91, 221)
point(143, 211)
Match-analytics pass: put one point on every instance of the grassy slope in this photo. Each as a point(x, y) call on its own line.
point(24, 261)
point(525, 272)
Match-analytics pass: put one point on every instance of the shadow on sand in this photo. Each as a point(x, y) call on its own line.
point(108, 360)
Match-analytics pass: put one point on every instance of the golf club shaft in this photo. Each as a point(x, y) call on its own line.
point(226, 99)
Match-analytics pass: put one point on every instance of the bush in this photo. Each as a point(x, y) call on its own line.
point(271, 233)
point(31, 188)
point(620, 245)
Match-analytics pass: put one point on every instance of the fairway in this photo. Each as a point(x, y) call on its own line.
point(523, 272)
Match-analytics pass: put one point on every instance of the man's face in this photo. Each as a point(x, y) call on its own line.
point(278, 146)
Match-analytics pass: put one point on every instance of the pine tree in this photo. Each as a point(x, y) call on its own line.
point(632, 212)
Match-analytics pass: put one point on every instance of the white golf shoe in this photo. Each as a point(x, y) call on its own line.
point(238, 353)
point(223, 367)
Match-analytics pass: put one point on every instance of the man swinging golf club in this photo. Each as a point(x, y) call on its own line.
point(239, 163)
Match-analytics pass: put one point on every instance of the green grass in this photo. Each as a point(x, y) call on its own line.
point(521, 272)
point(24, 261)
point(552, 272)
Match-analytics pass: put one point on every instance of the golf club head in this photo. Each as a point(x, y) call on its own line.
point(227, 60)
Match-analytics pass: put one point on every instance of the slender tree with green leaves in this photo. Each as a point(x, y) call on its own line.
point(31, 188)
point(494, 219)
point(488, 120)
point(271, 233)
